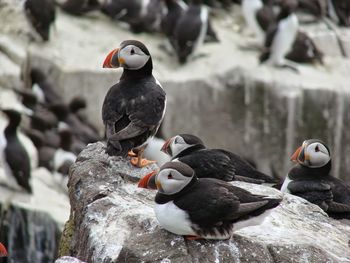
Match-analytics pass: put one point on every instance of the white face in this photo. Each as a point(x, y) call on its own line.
point(178, 145)
point(170, 181)
point(132, 57)
point(316, 155)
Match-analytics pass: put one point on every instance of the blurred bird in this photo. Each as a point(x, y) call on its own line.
point(280, 38)
point(339, 10)
point(212, 163)
point(141, 15)
point(80, 7)
point(13, 155)
point(203, 207)
point(190, 31)
point(310, 179)
point(133, 109)
point(41, 14)
point(64, 157)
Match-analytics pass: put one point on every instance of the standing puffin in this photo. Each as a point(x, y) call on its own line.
point(13, 155)
point(190, 30)
point(133, 109)
point(203, 208)
point(41, 14)
point(310, 179)
point(280, 38)
point(212, 163)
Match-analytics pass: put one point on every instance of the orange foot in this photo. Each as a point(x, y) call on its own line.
point(143, 162)
point(131, 154)
point(193, 237)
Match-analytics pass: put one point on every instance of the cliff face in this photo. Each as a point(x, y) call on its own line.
point(113, 221)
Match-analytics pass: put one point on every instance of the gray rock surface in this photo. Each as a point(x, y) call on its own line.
point(114, 222)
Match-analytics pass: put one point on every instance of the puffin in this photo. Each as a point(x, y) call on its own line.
point(43, 89)
point(134, 108)
point(41, 14)
point(203, 208)
point(310, 179)
point(280, 37)
point(13, 154)
point(212, 163)
point(190, 30)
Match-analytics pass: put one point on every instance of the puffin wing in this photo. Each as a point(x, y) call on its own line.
point(210, 164)
point(209, 203)
point(144, 112)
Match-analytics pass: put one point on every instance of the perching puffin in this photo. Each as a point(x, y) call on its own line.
point(280, 38)
point(41, 14)
point(310, 179)
point(13, 155)
point(133, 109)
point(212, 163)
point(203, 207)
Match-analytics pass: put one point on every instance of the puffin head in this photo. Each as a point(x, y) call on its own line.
point(131, 55)
point(177, 144)
point(171, 178)
point(312, 153)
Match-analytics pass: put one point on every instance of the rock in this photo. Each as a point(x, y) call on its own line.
point(114, 222)
point(68, 260)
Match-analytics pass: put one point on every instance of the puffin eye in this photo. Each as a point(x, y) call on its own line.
point(317, 149)
point(170, 176)
point(132, 52)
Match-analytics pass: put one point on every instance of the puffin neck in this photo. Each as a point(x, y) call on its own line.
point(145, 71)
point(190, 150)
point(11, 127)
point(303, 172)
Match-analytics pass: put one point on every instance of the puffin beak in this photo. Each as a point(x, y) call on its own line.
point(166, 146)
point(149, 181)
point(295, 155)
point(112, 60)
point(3, 251)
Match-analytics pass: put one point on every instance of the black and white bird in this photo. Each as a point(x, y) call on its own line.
point(310, 179)
point(190, 30)
point(280, 38)
point(80, 7)
point(141, 15)
point(41, 14)
point(203, 207)
point(13, 155)
point(64, 157)
point(259, 16)
point(133, 109)
point(212, 163)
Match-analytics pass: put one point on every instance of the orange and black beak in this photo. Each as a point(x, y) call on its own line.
point(166, 146)
point(149, 181)
point(112, 60)
point(3, 251)
point(299, 155)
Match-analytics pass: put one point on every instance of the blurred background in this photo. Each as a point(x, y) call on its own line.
point(228, 80)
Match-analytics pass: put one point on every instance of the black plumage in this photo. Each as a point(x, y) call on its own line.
point(80, 7)
point(342, 10)
point(212, 206)
point(134, 107)
point(41, 14)
point(190, 30)
point(265, 16)
point(14, 153)
point(216, 163)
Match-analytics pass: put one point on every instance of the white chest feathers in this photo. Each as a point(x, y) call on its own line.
point(284, 188)
point(173, 219)
point(249, 10)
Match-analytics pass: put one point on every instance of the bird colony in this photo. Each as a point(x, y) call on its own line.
point(195, 198)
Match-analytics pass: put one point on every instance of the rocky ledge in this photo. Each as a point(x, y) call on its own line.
point(112, 220)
